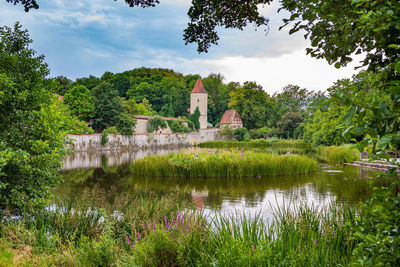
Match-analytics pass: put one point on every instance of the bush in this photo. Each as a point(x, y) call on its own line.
point(376, 231)
point(263, 132)
point(241, 133)
point(194, 118)
point(177, 126)
point(126, 124)
point(112, 130)
point(227, 132)
point(104, 137)
point(155, 124)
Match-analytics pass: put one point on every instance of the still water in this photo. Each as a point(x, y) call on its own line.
point(110, 175)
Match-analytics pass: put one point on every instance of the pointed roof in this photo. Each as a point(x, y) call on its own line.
point(230, 116)
point(199, 88)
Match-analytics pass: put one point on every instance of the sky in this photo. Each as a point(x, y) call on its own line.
point(89, 37)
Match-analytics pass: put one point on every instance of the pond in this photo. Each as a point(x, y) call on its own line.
point(110, 176)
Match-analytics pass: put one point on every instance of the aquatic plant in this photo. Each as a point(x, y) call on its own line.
point(222, 164)
point(337, 154)
point(257, 143)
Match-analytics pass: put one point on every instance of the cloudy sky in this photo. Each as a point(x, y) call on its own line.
point(88, 37)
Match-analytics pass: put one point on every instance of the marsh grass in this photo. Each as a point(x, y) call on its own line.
point(257, 143)
point(222, 164)
point(337, 154)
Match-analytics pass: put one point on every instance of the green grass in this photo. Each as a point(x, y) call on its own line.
point(337, 154)
point(258, 143)
point(222, 164)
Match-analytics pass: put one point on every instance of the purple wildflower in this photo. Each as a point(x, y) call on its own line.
point(138, 235)
point(129, 242)
point(253, 248)
point(315, 243)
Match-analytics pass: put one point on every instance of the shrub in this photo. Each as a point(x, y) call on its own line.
point(177, 126)
point(112, 130)
point(126, 124)
point(155, 124)
point(227, 132)
point(104, 137)
point(376, 231)
point(194, 118)
point(240, 133)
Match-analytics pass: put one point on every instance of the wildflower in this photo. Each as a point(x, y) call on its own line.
point(253, 248)
point(138, 235)
point(315, 243)
point(129, 242)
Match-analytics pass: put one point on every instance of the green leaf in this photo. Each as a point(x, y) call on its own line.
point(348, 116)
point(337, 65)
point(384, 142)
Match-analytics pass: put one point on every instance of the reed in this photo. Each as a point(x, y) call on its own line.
point(222, 164)
point(257, 143)
point(337, 154)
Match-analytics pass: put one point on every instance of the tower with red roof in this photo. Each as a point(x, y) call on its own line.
point(199, 98)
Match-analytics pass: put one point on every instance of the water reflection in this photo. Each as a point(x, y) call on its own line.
point(111, 175)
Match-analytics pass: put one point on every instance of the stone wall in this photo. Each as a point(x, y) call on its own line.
point(92, 142)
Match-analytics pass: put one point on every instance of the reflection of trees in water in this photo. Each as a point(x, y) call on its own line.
point(349, 185)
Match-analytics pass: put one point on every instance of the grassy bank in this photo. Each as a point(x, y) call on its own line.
point(222, 164)
point(337, 154)
point(258, 143)
point(152, 230)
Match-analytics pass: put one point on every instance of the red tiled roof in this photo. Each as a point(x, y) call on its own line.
point(229, 117)
point(199, 88)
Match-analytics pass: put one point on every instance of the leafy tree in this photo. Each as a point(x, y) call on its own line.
point(288, 124)
point(132, 108)
point(31, 142)
point(126, 124)
point(80, 101)
point(108, 106)
point(177, 96)
point(194, 118)
point(177, 127)
point(240, 133)
point(252, 103)
point(89, 82)
point(205, 15)
point(65, 84)
point(263, 132)
point(339, 29)
point(155, 124)
point(217, 97)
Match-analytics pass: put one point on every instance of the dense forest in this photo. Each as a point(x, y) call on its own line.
point(292, 112)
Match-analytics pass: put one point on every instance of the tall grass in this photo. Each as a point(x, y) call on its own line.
point(337, 154)
point(257, 143)
point(223, 164)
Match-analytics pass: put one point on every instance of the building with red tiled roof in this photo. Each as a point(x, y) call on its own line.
point(231, 118)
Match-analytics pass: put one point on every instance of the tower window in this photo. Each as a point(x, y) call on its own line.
point(198, 100)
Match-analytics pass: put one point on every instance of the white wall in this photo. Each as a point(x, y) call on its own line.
point(92, 142)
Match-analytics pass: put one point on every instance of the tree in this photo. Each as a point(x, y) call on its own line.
point(288, 123)
point(240, 133)
point(31, 139)
point(339, 29)
point(80, 101)
point(194, 118)
point(155, 124)
point(205, 16)
point(252, 103)
point(126, 124)
point(108, 106)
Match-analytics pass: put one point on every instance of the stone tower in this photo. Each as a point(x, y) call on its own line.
point(199, 98)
